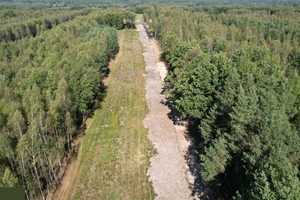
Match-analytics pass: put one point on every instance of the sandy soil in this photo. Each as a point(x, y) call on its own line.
point(168, 171)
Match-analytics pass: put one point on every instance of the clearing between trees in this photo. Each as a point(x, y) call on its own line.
point(233, 76)
point(113, 159)
point(114, 154)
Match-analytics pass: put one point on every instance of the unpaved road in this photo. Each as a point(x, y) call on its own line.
point(168, 171)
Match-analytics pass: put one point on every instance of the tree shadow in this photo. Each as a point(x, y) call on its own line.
point(129, 26)
point(147, 30)
point(192, 155)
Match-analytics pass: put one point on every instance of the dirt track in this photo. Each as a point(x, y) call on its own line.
point(168, 171)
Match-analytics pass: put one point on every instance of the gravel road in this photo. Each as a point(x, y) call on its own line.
point(168, 171)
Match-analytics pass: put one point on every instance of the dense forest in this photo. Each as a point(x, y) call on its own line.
point(233, 72)
point(51, 69)
point(160, 2)
point(233, 75)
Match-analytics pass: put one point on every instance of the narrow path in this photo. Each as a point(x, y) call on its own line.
point(168, 170)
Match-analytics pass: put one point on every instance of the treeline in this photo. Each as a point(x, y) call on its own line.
point(49, 85)
point(118, 19)
point(277, 27)
point(32, 27)
point(237, 79)
point(170, 2)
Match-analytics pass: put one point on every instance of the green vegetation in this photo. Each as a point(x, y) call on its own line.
point(115, 151)
point(160, 2)
point(234, 72)
point(49, 84)
point(13, 30)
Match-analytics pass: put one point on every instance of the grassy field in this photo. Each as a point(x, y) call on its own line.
point(115, 152)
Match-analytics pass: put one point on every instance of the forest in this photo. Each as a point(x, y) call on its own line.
point(233, 76)
point(49, 85)
point(129, 3)
point(233, 72)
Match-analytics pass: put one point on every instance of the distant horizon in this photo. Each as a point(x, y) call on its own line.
point(161, 2)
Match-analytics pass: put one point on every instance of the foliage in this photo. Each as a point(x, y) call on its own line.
point(15, 31)
point(9, 179)
point(49, 84)
point(234, 70)
point(116, 18)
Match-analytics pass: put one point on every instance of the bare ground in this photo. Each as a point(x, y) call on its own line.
point(168, 170)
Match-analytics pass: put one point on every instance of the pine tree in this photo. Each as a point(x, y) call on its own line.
point(215, 159)
point(9, 179)
point(261, 188)
point(195, 89)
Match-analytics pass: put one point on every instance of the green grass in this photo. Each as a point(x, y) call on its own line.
point(115, 151)
point(139, 16)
